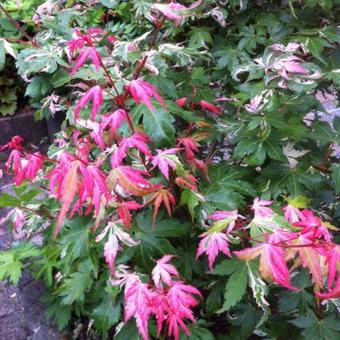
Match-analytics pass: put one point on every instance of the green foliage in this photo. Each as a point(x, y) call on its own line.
point(8, 95)
point(273, 137)
point(12, 261)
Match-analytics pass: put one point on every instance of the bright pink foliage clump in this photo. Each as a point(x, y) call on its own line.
point(142, 92)
point(169, 300)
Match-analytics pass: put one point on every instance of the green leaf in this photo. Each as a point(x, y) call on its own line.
point(197, 332)
point(11, 261)
point(336, 177)
point(109, 3)
point(260, 291)
point(60, 78)
point(152, 246)
point(322, 133)
point(180, 112)
point(74, 287)
point(235, 287)
point(34, 60)
point(223, 199)
point(199, 37)
point(164, 227)
point(190, 199)
point(106, 314)
point(316, 46)
point(227, 267)
point(75, 239)
point(215, 298)
point(2, 55)
point(128, 331)
point(59, 313)
point(314, 329)
point(7, 200)
point(38, 87)
point(159, 126)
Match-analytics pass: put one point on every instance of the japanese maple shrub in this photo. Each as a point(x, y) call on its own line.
point(198, 158)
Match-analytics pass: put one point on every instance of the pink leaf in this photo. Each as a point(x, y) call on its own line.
point(137, 140)
point(111, 250)
point(229, 216)
point(211, 244)
point(292, 214)
point(333, 293)
point(85, 54)
point(137, 298)
point(141, 92)
point(260, 208)
point(14, 163)
point(163, 162)
point(96, 95)
point(163, 271)
point(272, 258)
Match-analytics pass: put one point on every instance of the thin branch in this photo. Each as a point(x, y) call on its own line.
point(17, 26)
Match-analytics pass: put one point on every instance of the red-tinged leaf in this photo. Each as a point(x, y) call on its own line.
point(310, 257)
point(272, 260)
point(14, 162)
point(181, 101)
point(137, 298)
point(131, 180)
point(165, 197)
point(68, 191)
point(164, 161)
point(190, 145)
point(124, 211)
point(208, 106)
point(188, 181)
point(137, 141)
point(333, 260)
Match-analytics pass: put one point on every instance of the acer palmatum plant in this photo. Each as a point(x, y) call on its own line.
point(182, 145)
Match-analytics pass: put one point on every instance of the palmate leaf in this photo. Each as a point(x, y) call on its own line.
point(106, 314)
point(191, 200)
point(158, 124)
point(75, 241)
point(74, 287)
point(154, 240)
point(222, 199)
point(198, 331)
point(235, 287)
point(11, 261)
point(30, 61)
point(318, 329)
point(60, 314)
